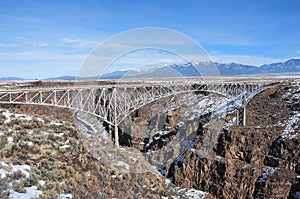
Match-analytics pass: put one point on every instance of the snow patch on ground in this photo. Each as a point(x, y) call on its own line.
point(23, 117)
point(29, 143)
point(40, 119)
point(58, 134)
point(42, 182)
point(3, 173)
point(10, 140)
point(31, 192)
point(25, 169)
point(56, 123)
point(123, 164)
point(44, 132)
point(65, 196)
point(11, 116)
point(65, 147)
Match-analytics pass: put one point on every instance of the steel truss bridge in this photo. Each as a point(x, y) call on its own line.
point(114, 104)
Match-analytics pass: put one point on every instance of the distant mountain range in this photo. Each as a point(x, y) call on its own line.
point(190, 69)
point(10, 78)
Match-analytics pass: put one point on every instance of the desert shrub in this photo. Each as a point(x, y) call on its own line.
point(4, 190)
point(49, 195)
point(47, 119)
point(2, 118)
point(28, 125)
point(16, 175)
point(19, 186)
point(51, 137)
point(31, 181)
point(3, 142)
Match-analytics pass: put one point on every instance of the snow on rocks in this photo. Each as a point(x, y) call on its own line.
point(267, 172)
point(184, 193)
point(195, 194)
point(289, 131)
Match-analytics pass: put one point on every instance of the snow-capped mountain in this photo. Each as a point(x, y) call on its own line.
point(292, 65)
point(192, 69)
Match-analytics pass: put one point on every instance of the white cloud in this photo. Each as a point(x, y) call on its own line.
point(31, 20)
point(42, 44)
point(26, 41)
point(7, 45)
point(39, 64)
point(39, 56)
point(80, 43)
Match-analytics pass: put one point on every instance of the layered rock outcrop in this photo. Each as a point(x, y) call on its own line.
point(252, 161)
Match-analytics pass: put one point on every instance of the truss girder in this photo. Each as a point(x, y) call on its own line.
point(114, 104)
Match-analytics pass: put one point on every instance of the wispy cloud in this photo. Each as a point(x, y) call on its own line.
point(19, 41)
point(26, 41)
point(31, 20)
point(39, 56)
point(80, 43)
point(7, 45)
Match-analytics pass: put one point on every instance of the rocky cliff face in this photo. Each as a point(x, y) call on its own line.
point(164, 129)
point(259, 160)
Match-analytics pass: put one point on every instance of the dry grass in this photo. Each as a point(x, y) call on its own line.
point(72, 169)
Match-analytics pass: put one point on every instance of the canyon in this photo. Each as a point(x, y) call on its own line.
point(182, 146)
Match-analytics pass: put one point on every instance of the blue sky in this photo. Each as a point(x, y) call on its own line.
point(51, 38)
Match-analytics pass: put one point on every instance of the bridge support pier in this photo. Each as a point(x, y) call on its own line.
point(110, 132)
point(244, 116)
point(116, 136)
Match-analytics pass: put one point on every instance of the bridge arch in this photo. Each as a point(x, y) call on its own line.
point(40, 101)
point(172, 94)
